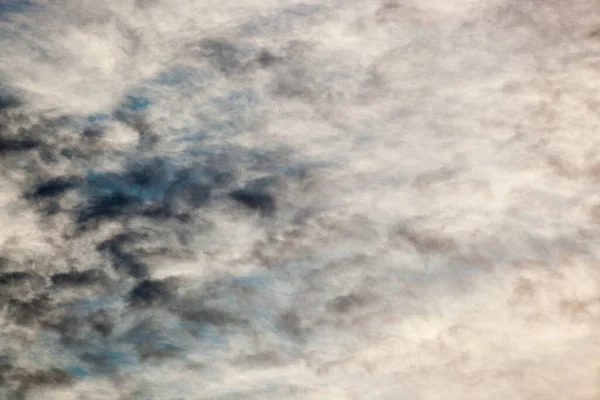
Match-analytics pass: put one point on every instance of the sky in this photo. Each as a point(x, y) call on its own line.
point(301, 200)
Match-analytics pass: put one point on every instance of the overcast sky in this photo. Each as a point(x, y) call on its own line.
point(300, 200)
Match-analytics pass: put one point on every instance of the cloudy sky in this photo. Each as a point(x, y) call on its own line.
point(276, 199)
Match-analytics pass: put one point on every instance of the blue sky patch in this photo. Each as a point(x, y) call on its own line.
point(96, 118)
point(136, 103)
